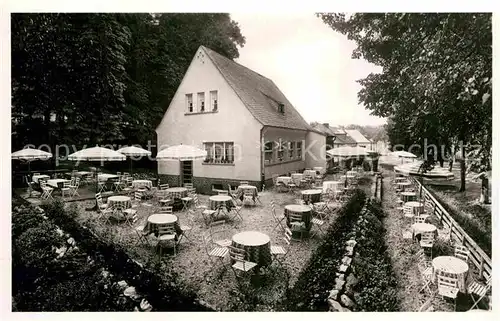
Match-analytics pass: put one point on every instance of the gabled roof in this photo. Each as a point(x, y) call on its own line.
point(258, 93)
point(357, 136)
point(324, 129)
point(343, 139)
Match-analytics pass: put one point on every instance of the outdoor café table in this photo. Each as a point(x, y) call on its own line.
point(400, 179)
point(311, 195)
point(142, 183)
point(241, 190)
point(352, 173)
point(220, 200)
point(417, 207)
point(300, 209)
point(403, 185)
point(57, 182)
point(284, 179)
point(36, 178)
point(333, 185)
point(119, 201)
point(452, 265)
point(156, 220)
point(175, 194)
point(419, 228)
point(257, 247)
point(105, 177)
point(408, 196)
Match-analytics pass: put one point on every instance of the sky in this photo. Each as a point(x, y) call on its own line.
point(310, 63)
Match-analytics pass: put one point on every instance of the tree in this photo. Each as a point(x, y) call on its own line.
point(436, 78)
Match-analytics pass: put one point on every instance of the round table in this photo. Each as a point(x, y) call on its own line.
point(284, 179)
point(403, 185)
point(452, 265)
point(257, 246)
point(408, 196)
point(400, 179)
point(242, 188)
point(219, 200)
point(119, 201)
point(142, 183)
point(332, 185)
point(162, 219)
point(419, 228)
point(299, 209)
point(175, 194)
point(311, 196)
point(310, 173)
point(417, 207)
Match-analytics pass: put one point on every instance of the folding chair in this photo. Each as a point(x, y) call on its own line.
point(101, 186)
point(188, 185)
point(278, 251)
point(425, 269)
point(196, 203)
point(215, 253)
point(46, 191)
point(137, 199)
point(240, 264)
point(236, 209)
point(186, 201)
point(127, 184)
point(427, 240)
point(448, 286)
point(221, 192)
point(478, 289)
point(248, 196)
point(140, 230)
point(279, 220)
point(186, 225)
point(66, 189)
point(291, 187)
point(407, 236)
point(418, 219)
point(408, 212)
point(166, 210)
point(74, 187)
point(220, 233)
point(232, 192)
point(164, 186)
point(100, 204)
point(296, 223)
point(462, 253)
point(319, 222)
point(166, 233)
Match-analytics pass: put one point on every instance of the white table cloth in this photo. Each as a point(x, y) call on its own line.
point(452, 265)
point(119, 200)
point(284, 179)
point(310, 173)
point(142, 183)
point(333, 185)
point(105, 177)
point(417, 207)
point(55, 182)
point(257, 246)
point(36, 178)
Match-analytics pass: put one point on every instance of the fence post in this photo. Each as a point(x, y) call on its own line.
point(451, 230)
point(481, 268)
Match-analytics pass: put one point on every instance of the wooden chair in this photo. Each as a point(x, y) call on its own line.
point(166, 210)
point(140, 229)
point(427, 241)
point(479, 290)
point(46, 191)
point(296, 223)
point(163, 199)
point(166, 233)
point(127, 184)
point(100, 204)
point(164, 186)
point(319, 223)
point(236, 209)
point(215, 253)
point(278, 251)
point(278, 219)
point(448, 286)
point(186, 225)
point(221, 192)
point(248, 196)
point(66, 189)
point(75, 186)
point(196, 203)
point(425, 269)
point(240, 264)
point(220, 233)
point(418, 219)
point(462, 253)
point(408, 212)
point(137, 199)
point(187, 201)
point(407, 236)
point(188, 185)
point(232, 192)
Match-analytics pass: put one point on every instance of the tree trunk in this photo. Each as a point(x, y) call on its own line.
point(485, 190)
point(462, 171)
point(450, 166)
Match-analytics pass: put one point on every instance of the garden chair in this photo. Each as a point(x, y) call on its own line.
point(427, 306)
point(74, 187)
point(319, 223)
point(425, 268)
point(427, 241)
point(100, 204)
point(233, 193)
point(127, 184)
point(244, 183)
point(137, 199)
point(280, 187)
point(188, 185)
point(407, 236)
point(140, 230)
point(220, 233)
point(186, 225)
point(278, 251)
point(462, 253)
point(196, 203)
point(479, 290)
point(208, 215)
point(46, 191)
point(29, 184)
point(236, 209)
point(215, 253)
point(105, 213)
point(248, 196)
point(166, 210)
point(164, 186)
point(296, 223)
point(408, 212)
point(66, 190)
point(222, 192)
point(240, 264)
point(444, 233)
point(166, 233)
point(278, 219)
point(448, 286)
point(419, 219)
point(163, 199)
point(186, 201)
point(299, 201)
point(118, 185)
point(291, 187)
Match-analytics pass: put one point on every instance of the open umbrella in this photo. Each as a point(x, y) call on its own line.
point(132, 151)
point(402, 154)
point(413, 169)
point(30, 154)
point(181, 153)
point(349, 151)
point(94, 154)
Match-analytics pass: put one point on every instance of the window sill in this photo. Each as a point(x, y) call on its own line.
point(218, 164)
point(283, 162)
point(201, 113)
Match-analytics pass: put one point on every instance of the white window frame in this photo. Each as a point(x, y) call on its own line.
point(267, 152)
point(291, 150)
point(280, 151)
point(201, 101)
point(189, 99)
point(214, 103)
point(298, 150)
point(211, 153)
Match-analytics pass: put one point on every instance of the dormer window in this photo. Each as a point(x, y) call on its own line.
point(281, 108)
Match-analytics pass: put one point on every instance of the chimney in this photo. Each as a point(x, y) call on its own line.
point(327, 125)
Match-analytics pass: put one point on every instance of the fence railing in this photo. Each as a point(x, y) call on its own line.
point(477, 256)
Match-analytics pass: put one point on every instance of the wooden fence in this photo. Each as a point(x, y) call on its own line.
point(477, 256)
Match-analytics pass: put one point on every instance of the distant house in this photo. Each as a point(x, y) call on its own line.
point(360, 140)
point(247, 126)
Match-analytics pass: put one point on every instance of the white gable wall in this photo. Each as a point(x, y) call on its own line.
point(232, 123)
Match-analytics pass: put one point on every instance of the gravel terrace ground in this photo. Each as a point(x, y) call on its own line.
point(404, 260)
point(214, 285)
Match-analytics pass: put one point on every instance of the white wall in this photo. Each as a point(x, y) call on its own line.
point(315, 155)
point(274, 134)
point(232, 123)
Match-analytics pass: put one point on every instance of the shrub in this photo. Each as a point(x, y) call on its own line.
point(316, 279)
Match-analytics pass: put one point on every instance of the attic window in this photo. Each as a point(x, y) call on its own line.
point(281, 108)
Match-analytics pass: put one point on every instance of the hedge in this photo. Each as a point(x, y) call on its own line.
point(316, 279)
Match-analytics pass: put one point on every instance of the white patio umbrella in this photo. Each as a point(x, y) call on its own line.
point(413, 169)
point(30, 154)
point(133, 151)
point(402, 154)
point(181, 153)
point(349, 151)
point(94, 154)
